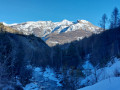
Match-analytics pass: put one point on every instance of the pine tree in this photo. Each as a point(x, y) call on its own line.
point(103, 21)
point(114, 21)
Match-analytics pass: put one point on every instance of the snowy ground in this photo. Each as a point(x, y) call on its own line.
point(43, 79)
point(108, 84)
point(102, 73)
point(106, 79)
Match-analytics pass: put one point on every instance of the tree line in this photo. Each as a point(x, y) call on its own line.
point(114, 21)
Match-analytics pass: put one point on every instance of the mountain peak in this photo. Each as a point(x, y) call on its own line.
point(66, 22)
point(83, 21)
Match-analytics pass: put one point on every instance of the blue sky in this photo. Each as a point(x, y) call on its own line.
point(18, 11)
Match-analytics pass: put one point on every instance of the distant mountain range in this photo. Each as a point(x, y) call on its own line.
point(57, 32)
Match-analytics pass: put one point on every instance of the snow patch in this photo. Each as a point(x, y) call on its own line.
point(108, 84)
point(101, 74)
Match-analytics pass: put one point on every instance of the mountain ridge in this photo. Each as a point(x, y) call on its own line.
point(48, 29)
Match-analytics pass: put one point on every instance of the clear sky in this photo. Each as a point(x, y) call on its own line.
point(18, 11)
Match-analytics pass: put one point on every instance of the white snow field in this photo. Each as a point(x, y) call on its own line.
point(108, 84)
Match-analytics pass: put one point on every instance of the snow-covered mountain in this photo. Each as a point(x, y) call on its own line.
point(46, 28)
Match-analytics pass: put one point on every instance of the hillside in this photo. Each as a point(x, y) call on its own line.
point(28, 62)
point(16, 52)
point(108, 84)
point(4, 28)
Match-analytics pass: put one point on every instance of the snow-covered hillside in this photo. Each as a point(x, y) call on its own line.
point(96, 75)
point(108, 84)
point(107, 78)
